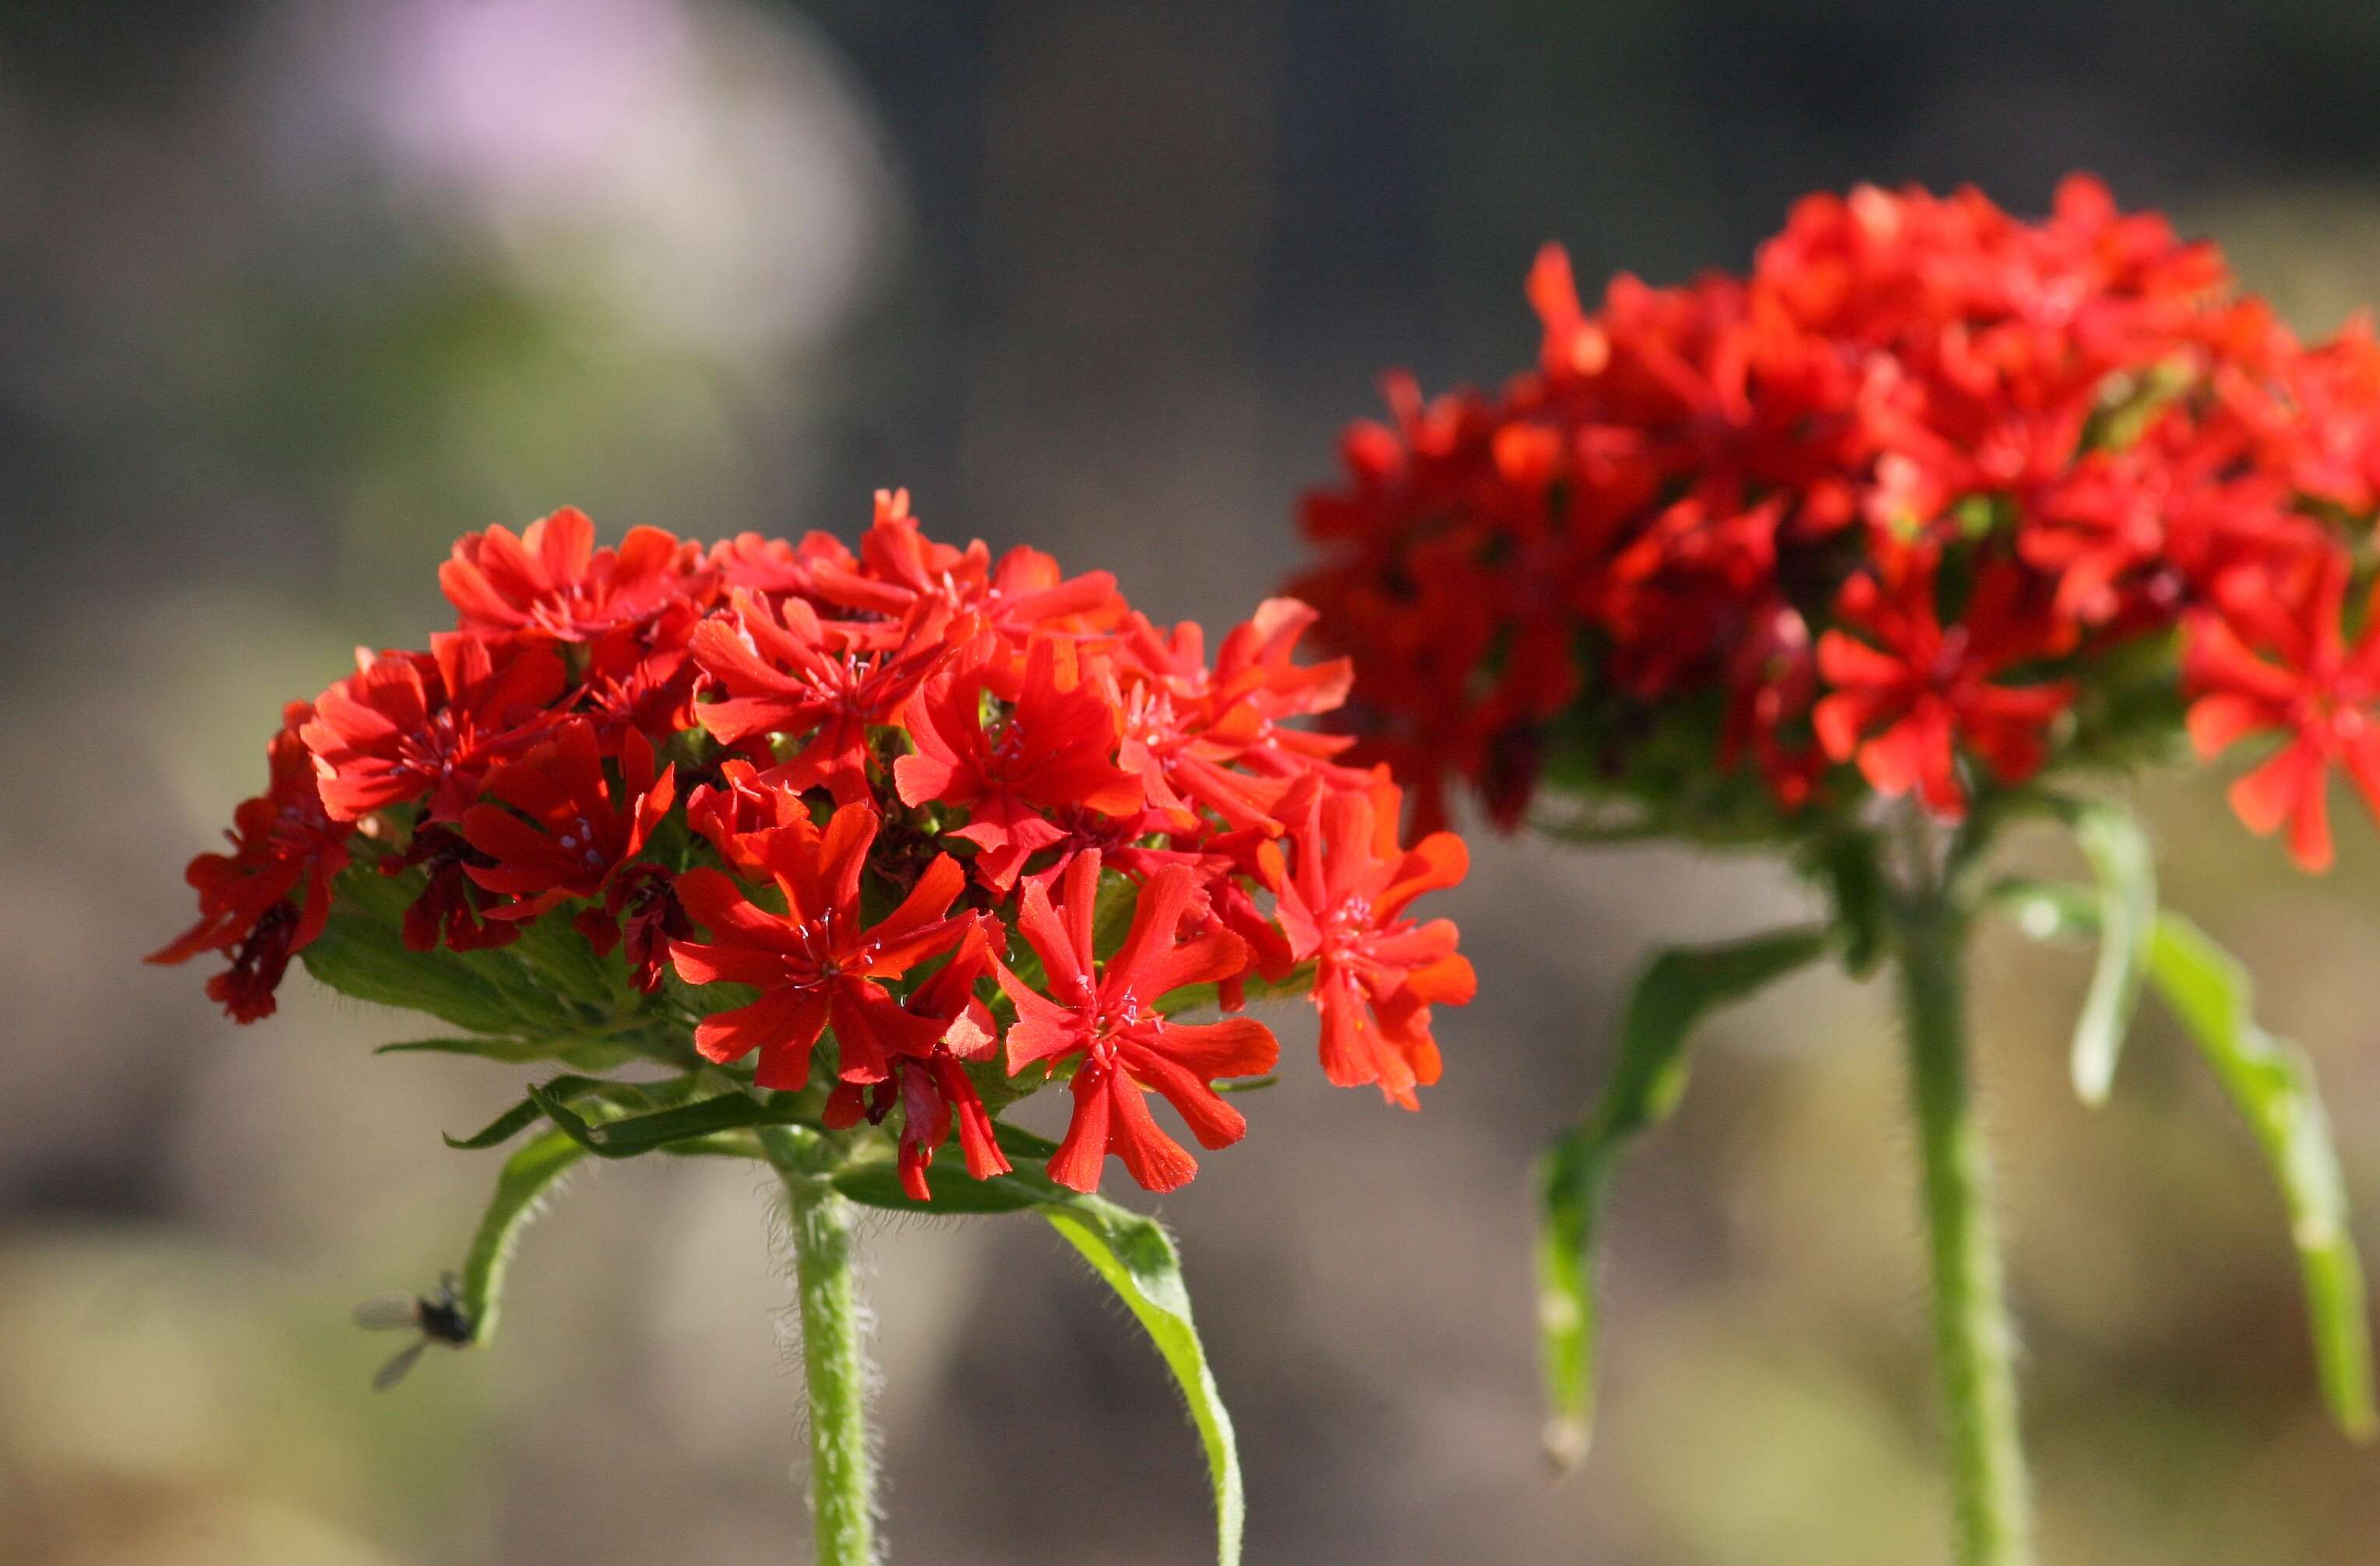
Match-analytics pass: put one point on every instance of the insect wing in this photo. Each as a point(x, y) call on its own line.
point(395, 1370)
point(384, 1313)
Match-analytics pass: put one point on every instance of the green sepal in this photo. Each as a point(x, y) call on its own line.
point(2271, 1082)
point(1677, 990)
point(527, 1175)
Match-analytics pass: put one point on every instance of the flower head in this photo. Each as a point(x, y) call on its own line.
point(1918, 506)
point(970, 825)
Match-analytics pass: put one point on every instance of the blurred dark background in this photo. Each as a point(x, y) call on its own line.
point(293, 292)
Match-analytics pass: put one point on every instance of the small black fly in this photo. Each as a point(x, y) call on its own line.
point(440, 1317)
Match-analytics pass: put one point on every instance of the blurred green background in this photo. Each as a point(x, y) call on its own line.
point(294, 291)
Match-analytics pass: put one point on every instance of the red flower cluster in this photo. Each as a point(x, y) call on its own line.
point(842, 781)
point(1913, 506)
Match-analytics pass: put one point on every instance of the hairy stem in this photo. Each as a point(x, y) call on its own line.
point(834, 1362)
point(1974, 1340)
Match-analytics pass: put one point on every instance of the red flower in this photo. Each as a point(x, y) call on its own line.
point(901, 573)
point(737, 812)
point(560, 828)
point(452, 907)
point(1377, 973)
point(642, 677)
point(553, 583)
point(1055, 748)
point(933, 1089)
point(405, 726)
point(1187, 729)
point(270, 895)
point(2303, 678)
point(799, 676)
point(816, 962)
point(1903, 708)
point(640, 901)
point(1104, 1018)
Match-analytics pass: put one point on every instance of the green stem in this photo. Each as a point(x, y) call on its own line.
point(1974, 1340)
point(834, 1362)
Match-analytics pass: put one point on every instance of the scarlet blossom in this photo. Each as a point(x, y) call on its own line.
point(1104, 1018)
point(408, 727)
point(559, 828)
point(1221, 738)
point(901, 573)
point(774, 565)
point(551, 583)
point(722, 763)
point(735, 812)
point(933, 1089)
point(1377, 973)
point(816, 961)
point(1905, 707)
point(1055, 748)
point(1928, 484)
point(270, 896)
point(2304, 679)
point(453, 908)
point(640, 900)
point(786, 671)
point(642, 677)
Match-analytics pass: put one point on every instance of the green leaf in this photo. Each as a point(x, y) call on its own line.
point(2270, 1081)
point(2120, 857)
point(528, 1175)
point(1844, 863)
point(521, 1116)
point(628, 1137)
point(1678, 988)
point(587, 1053)
point(1136, 1257)
point(361, 952)
point(356, 956)
point(1138, 1260)
point(877, 1183)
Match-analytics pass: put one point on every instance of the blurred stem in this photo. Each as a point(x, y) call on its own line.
point(834, 1362)
point(1974, 1340)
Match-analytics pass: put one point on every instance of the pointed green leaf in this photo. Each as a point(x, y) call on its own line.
point(587, 1053)
point(567, 1088)
point(528, 1175)
point(626, 1138)
point(2270, 1081)
point(361, 952)
point(357, 956)
point(2120, 857)
point(1844, 864)
point(1138, 1260)
point(877, 1183)
point(1136, 1257)
point(1678, 988)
